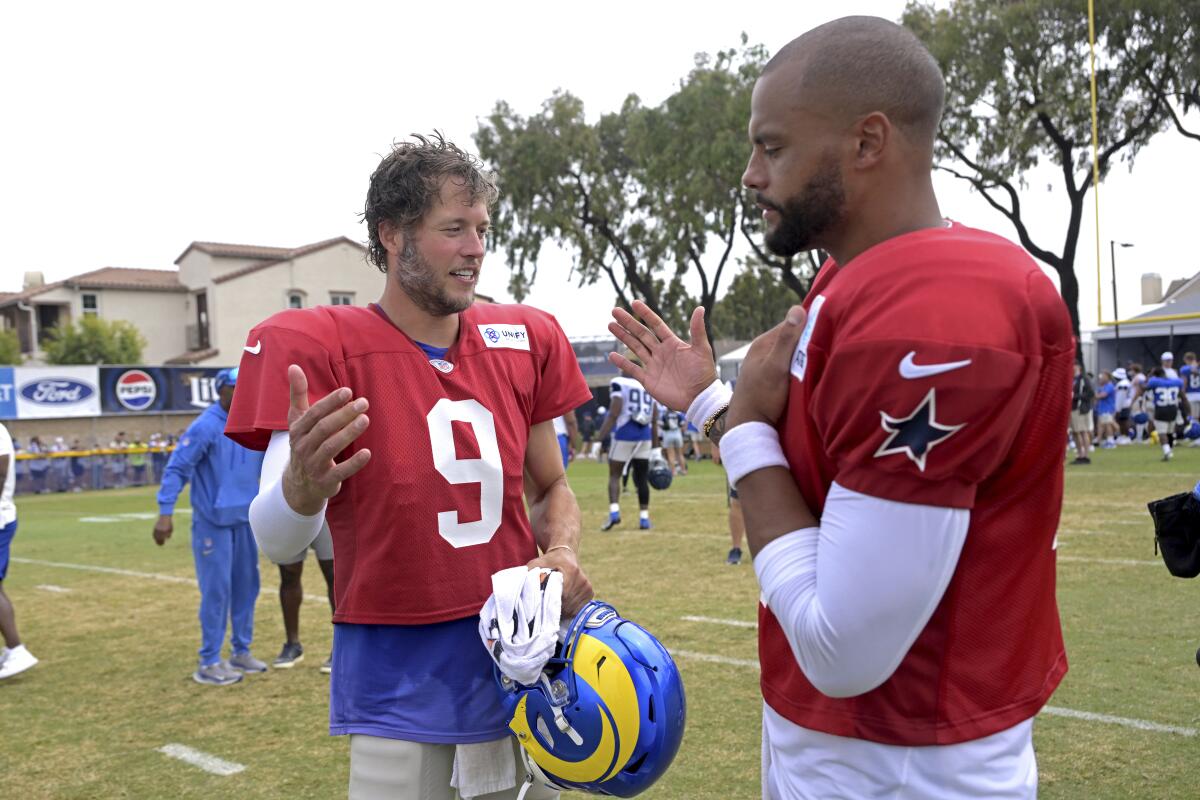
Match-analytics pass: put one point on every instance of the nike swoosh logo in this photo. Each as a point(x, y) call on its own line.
point(910, 371)
point(254, 350)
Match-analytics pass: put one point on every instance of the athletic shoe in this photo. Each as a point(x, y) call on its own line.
point(244, 662)
point(18, 660)
point(1167, 456)
point(327, 666)
point(735, 556)
point(216, 675)
point(1082, 460)
point(644, 524)
point(291, 655)
point(614, 519)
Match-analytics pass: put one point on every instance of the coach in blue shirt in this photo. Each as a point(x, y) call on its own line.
point(224, 478)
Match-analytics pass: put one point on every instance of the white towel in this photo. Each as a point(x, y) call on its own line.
point(519, 623)
point(484, 768)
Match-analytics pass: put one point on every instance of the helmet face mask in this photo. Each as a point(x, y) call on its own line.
point(608, 713)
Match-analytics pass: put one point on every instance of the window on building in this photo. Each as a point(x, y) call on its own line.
point(295, 300)
point(91, 305)
point(341, 298)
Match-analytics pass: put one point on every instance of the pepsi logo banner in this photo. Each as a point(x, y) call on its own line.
point(134, 390)
point(43, 392)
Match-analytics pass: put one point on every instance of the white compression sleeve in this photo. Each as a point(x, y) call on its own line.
point(279, 530)
point(853, 595)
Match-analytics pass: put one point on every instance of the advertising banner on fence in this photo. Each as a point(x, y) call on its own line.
point(45, 392)
point(134, 390)
point(192, 388)
point(8, 394)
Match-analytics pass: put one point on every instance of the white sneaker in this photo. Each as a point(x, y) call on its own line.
point(19, 659)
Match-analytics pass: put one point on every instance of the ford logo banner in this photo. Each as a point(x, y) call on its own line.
point(56, 391)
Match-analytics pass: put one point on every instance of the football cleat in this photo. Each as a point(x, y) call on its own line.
point(607, 714)
point(614, 519)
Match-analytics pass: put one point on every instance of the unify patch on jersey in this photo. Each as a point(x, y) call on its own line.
point(800, 357)
point(513, 337)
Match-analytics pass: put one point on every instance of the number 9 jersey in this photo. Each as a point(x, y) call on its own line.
point(418, 532)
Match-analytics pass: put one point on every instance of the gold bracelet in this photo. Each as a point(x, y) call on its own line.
point(560, 547)
point(708, 423)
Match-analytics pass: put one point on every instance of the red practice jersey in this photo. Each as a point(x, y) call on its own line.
point(936, 369)
point(418, 532)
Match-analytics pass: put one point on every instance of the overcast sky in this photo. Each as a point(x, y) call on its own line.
point(132, 129)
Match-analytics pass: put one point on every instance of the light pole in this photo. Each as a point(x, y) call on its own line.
point(1112, 254)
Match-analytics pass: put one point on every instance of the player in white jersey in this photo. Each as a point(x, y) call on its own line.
point(633, 423)
point(14, 658)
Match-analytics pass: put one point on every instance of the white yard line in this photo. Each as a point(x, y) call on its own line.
point(733, 623)
point(317, 598)
point(187, 754)
point(49, 587)
point(734, 662)
point(206, 762)
point(1140, 724)
point(1054, 711)
point(1124, 562)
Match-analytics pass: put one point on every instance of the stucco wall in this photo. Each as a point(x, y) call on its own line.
point(249, 299)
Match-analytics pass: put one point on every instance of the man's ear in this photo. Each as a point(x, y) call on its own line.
point(391, 237)
point(874, 135)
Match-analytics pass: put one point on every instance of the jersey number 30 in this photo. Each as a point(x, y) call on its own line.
point(486, 470)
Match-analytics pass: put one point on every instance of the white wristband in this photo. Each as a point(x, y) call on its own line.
point(708, 403)
point(749, 447)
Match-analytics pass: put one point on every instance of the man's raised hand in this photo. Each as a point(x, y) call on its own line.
point(673, 371)
point(318, 434)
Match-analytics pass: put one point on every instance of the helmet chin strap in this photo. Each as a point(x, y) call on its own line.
point(534, 774)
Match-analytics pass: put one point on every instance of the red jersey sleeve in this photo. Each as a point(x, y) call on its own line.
point(260, 402)
point(561, 386)
point(921, 420)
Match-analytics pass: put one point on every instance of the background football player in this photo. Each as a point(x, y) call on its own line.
point(632, 422)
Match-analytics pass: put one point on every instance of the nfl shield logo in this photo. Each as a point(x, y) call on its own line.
point(440, 365)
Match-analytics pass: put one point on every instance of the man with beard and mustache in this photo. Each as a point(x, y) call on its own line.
point(896, 443)
point(425, 499)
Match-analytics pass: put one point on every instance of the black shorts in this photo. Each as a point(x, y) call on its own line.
point(1123, 415)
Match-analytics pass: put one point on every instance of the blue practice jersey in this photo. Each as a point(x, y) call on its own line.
point(1164, 393)
point(1190, 375)
point(1108, 403)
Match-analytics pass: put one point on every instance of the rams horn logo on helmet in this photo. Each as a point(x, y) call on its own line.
point(608, 713)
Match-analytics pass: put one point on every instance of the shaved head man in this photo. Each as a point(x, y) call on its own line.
point(895, 442)
point(843, 121)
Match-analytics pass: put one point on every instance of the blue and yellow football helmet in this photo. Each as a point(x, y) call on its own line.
point(608, 712)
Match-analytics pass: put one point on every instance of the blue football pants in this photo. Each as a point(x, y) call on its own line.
point(227, 571)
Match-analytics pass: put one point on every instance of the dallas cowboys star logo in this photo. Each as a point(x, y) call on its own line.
point(916, 434)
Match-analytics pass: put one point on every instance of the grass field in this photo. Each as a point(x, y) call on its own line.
point(118, 648)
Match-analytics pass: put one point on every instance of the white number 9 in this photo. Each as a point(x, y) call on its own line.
point(486, 470)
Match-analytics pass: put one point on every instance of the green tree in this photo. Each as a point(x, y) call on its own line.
point(92, 340)
point(756, 302)
point(641, 198)
point(10, 347)
point(1017, 80)
point(1162, 38)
